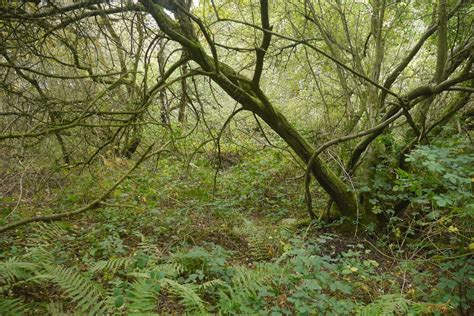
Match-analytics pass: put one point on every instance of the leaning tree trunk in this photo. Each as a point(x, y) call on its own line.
point(250, 96)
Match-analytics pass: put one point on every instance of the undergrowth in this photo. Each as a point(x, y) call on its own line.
point(166, 242)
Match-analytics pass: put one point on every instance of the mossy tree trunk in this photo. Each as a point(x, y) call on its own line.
point(248, 93)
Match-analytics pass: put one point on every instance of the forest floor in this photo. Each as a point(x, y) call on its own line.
point(172, 241)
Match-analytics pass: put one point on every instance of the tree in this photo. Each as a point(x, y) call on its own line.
point(366, 63)
point(250, 95)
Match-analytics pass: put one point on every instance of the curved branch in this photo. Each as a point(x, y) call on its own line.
point(49, 75)
point(53, 10)
point(392, 77)
point(417, 93)
point(319, 51)
point(334, 142)
point(94, 204)
point(429, 90)
point(88, 14)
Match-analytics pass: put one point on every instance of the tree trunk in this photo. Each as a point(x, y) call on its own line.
point(164, 107)
point(184, 96)
point(249, 95)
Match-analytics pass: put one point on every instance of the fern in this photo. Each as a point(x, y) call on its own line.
point(83, 292)
point(171, 270)
point(55, 309)
point(58, 309)
point(40, 254)
point(142, 297)
point(12, 307)
point(420, 308)
point(148, 248)
point(197, 258)
point(246, 286)
point(143, 294)
point(210, 284)
point(46, 234)
point(261, 246)
point(13, 270)
point(386, 305)
point(189, 298)
point(261, 275)
point(397, 304)
point(111, 265)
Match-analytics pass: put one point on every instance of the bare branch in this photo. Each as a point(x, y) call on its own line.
point(92, 205)
point(260, 53)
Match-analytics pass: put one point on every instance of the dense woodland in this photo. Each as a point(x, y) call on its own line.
point(236, 157)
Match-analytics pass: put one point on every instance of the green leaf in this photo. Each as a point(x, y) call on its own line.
point(119, 300)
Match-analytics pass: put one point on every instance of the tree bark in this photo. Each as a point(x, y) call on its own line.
point(249, 95)
point(184, 96)
point(442, 53)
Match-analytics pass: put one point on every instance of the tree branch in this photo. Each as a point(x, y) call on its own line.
point(260, 53)
point(334, 142)
point(94, 204)
point(392, 77)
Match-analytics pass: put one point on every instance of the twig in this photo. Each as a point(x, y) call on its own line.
point(20, 195)
point(94, 204)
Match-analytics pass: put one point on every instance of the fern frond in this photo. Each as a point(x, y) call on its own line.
point(46, 233)
point(12, 307)
point(171, 270)
point(421, 308)
point(261, 247)
point(259, 276)
point(58, 309)
point(149, 249)
point(143, 296)
point(189, 298)
point(86, 294)
point(111, 265)
point(241, 276)
point(246, 285)
point(386, 305)
point(138, 275)
point(40, 254)
point(210, 284)
point(13, 270)
point(232, 297)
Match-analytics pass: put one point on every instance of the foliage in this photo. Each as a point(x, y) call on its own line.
point(436, 183)
point(393, 304)
point(12, 307)
point(84, 294)
point(206, 255)
point(240, 96)
point(442, 178)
